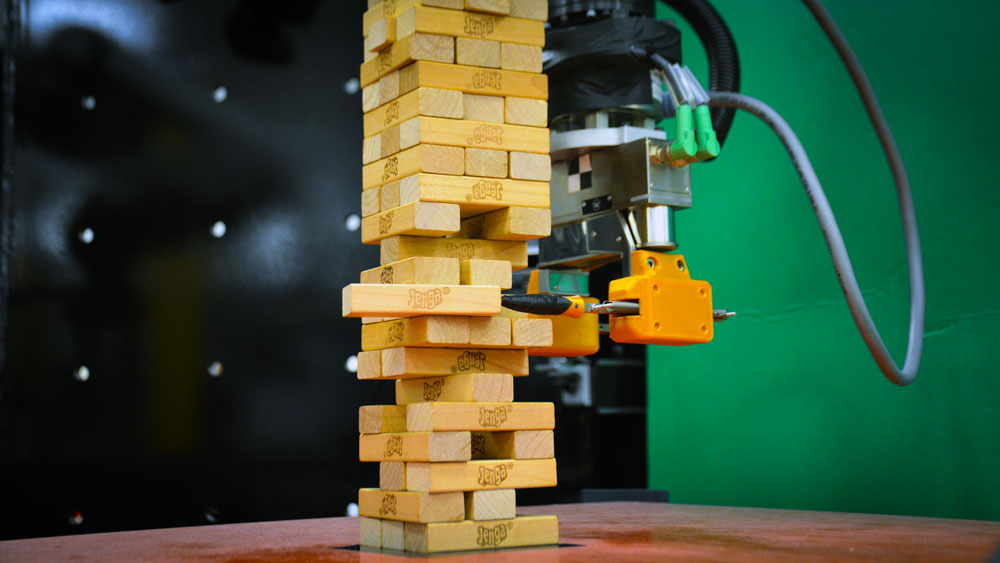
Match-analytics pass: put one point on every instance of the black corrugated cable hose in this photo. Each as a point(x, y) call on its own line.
point(723, 58)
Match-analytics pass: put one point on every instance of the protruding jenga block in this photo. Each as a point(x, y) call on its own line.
point(409, 363)
point(381, 34)
point(371, 149)
point(425, 270)
point(370, 202)
point(403, 247)
point(489, 332)
point(424, 219)
point(463, 387)
point(371, 532)
point(526, 111)
point(410, 300)
point(415, 446)
point(370, 98)
point(430, 331)
point(523, 531)
point(511, 223)
point(490, 505)
point(484, 108)
point(459, 24)
point(486, 272)
point(434, 417)
point(375, 419)
point(388, 87)
point(499, 7)
point(519, 444)
point(530, 9)
point(413, 47)
point(392, 476)
point(421, 158)
point(473, 80)
point(474, 134)
point(477, 52)
point(525, 166)
point(369, 365)
point(531, 333)
point(474, 195)
point(411, 506)
point(393, 535)
point(432, 102)
point(480, 475)
point(526, 58)
point(486, 162)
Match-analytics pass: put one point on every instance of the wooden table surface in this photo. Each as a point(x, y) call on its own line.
point(604, 532)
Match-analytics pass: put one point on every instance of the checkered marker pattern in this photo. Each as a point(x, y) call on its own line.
point(580, 174)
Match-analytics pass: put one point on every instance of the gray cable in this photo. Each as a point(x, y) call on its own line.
point(838, 251)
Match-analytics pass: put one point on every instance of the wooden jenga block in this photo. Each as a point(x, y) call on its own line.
point(477, 52)
point(411, 300)
point(478, 475)
point(380, 9)
point(511, 223)
point(498, 7)
point(402, 247)
point(437, 417)
point(392, 476)
point(413, 47)
point(524, 166)
point(474, 134)
point(415, 446)
point(381, 34)
point(388, 87)
point(371, 532)
point(519, 444)
point(432, 102)
point(390, 141)
point(530, 9)
point(486, 162)
point(523, 531)
point(420, 19)
point(473, 80)
point(463, 387)
point(450, 4)
point(412, 363)
point(393, 535)
point(371, 149)
point(486, 272)
point(369, 365)
point(526, 58)
point(424, 219)
point(526, 111)
point(490, 505)
point(430, 331)
point(484, 108)
point(421, 158)
point(370, 202)
point(424, 270)
point(474, 195)
point(376, 419)
point(389, 195)
point(411, 506)
point(531, 333)
point(512, 314)
point(489, 332)
point(370, 98)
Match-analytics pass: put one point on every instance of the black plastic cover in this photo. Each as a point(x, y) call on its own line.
point(569, 8)
point(590, 67)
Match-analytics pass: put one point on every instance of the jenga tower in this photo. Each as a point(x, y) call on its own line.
point(456, 156)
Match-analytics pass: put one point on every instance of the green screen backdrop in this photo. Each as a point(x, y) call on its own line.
point(785, 408)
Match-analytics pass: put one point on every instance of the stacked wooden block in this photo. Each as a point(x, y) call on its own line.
point(455, 179)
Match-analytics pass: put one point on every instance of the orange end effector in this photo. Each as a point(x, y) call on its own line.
point(674, 310)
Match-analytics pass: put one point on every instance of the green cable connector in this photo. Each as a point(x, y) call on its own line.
point(684, 147)
point(708, 144)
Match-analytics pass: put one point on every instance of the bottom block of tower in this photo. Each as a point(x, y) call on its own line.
point(393, 534)
point(523, 531)
point(371, 532)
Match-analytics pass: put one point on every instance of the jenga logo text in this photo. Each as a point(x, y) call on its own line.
point(487, 79)
point(462, 251)
point(470, 361)
point(480, 27)
point(486, 189)
point(385, 60)
point(493, 476)
point(393, 446)
point(388, 505)
point(385, 223)
point(427, 299)
point(486, 134)
point(395, 333)
point(493, 418)
point(474, 227)
point(432, 389)
point(478, 444)
point(388, 8)
point(386, 275)
point(391, 112)
point(492, 536)
point(391, 168)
